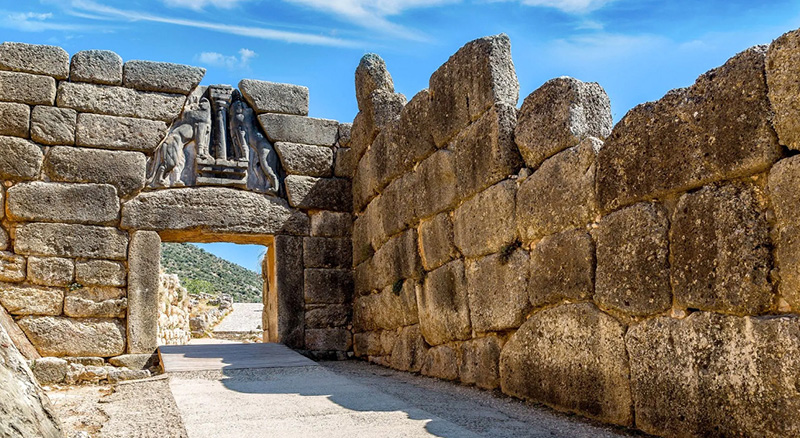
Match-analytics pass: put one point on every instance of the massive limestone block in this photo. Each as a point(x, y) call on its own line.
point(122, 169)
point(396, 207)
point(31, 300)
point(409, 350)
point(110, 132)
point(59, 336)
point(444, 306)
point(571, 358)
point(20, 159)
point(299, 129)
point(331, 315)
point(367, 344)
point(398, 259)
point(51, 271)
point(441, 362)
point(633, 260)
point(271, 97)
point(485, 152)
point(71, 240)
point(59, 202)
point(50, 125)
point(96, 66)
point(478, 76)
point(435, 184)
point(485, 224)
point(26, 88)
point(497, 288)
point(12, 267)
point(344, 163)
point(5, 240)
point(302, 159)
point(101, 302)
point(213, 210)
point(286, 304)
point(562, 268)
point(411, 138)
point(34, 58)
point(345, 134)
point(436, 241)
point(783, 59)
point(560, 195)
point(716, 375)
point(119, 101)
point(720, 247)
point(480, 362)
point(321, 252)
point(144, 264)
point(784, 190)
point(558, 115)
point(688, 138)
point(787, 260)
point(361, 135)
point(371, 75)
point(328, 339)
point(100, 273)
point(328, 286)
point(308, 192)
point(161, 76)
point(389, 309)
point(14, 119)
point(331, 224)
point(26, 408)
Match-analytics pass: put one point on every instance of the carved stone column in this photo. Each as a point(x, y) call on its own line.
point(220, 96)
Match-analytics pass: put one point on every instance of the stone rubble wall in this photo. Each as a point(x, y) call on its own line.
point(80, 232)
point(643, 274)
point(173, 312)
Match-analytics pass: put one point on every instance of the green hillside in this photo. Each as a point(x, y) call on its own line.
point(201, 271)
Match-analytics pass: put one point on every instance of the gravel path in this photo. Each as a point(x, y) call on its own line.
point(245, 317)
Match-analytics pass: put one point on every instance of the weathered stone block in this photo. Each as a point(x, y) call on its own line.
point(329, 339)
point(371, 75)
point(784, 190)
point(344, 163)
point(51, 271)
point(26, 88)
point(271, 97)
point(715, 375)
point(441, 362)
point(122, 169)
point(19, 159)
point(212, 210)
point(646, 155)
point(96, 66)
point(303, 159)
point(783, 58)
point(367, 344)
point(409, 350)
point(571, 358)
point(14, 119)
point(562, 268)
point(486, 223)
point(331, 224)
point(436, 241)
point(436, 184)
point(560, 195)
point(497, 289)
point(633, 260)
point(31, 300)
point(119, 101)
point(134, 361)
point(367, 229)
point(12, 267)
point(49, 370)
point(4, 239)
point(299, 129)
point(396, 208)
point(286, 318)
point(444, 313)
point(720, 247)
point(344, 135)
point(398, 259)
point(58, 336)
point(100, 273)
point(787, 260)
point(50, 125)
point(478, 76)
point(395, 306)
point(480, 362)
point(332, 315)
point(161, 76)
point(70, 240)
point(321, 252)
point(34, 58)
point(558, 115)
point(102, 302)
point(110, 132)
point(308, 192)
point(58, 202)
point(361, 135)
point(328, 286)
point(144, 264)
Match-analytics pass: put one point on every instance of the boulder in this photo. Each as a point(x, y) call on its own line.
point(322, 252)
point(562, 269)
point(134, 361)
point(497, 288)
point(328, 286)
point(332, 315)
point(485, 223)
point(49, 370)
point(441, 362)
point(436, 241)
point(59, 336)
point(331, 224)
point(393, 307)
point(480, 362)
point(783, 59)
point(409, 350)
point(100, 273)
point(444, 312)
point(371, 75)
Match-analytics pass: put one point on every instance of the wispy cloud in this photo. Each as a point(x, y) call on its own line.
point(231, 62)
point(604, 47)
point(569, 6)
point(199, 5)
point(35, 22)
point(98, 11)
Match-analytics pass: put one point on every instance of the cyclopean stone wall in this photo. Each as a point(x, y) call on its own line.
point(92, 152)
point(643, 274)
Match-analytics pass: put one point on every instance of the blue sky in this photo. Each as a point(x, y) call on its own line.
point(636, 49)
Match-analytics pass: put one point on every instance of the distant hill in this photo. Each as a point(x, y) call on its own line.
point(201, 271)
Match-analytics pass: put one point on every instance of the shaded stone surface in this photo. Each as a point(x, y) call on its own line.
point(581, 351)
point(633, 260)
point(328, 286)
point(486, 223)
point(332, 315)
point(558, 115)
point(285, 306)
point(683, 370)
point(96, 66)
point(344, 164)
point(433, 185)
point(688, 139)
point(328, 339)
point(14, 119)
point(720, 244)
point(67, 203)
point(299, 129)
point(27, 88)
point(496, 284)
point(562, 268)
point(144, 264)
point(59, 336)
point(320, 252)
point(161, 76)
point(784, 190)
point(389, 309)
point(480, 362)
point(309, 192)
point(398, 259)
point(444, 313)
point(436, 241)
point(441, 362)
point(122, 169)
point(19, 159)
point(71, 240)
point(110, 132)
point(331, 224)
point(34, 58)
point(272, 97)
point(100, 273)
point(560, 194)
point(50, 125)
point(21, 299)
point(475, 78)
point(51, 271)
point(787, 261)
point(119, 101)
point(301, 159)
point(409, 350)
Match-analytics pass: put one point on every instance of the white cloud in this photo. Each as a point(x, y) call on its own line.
point(34, 22)
point(231, 62)
point(570, 6)
point(199, 5)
